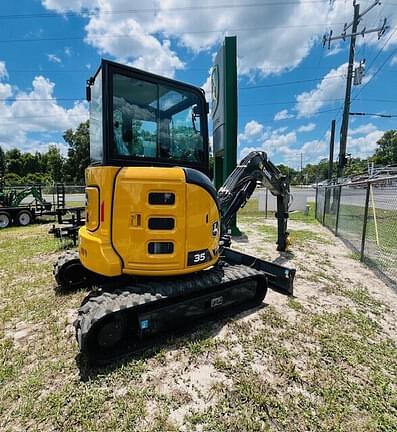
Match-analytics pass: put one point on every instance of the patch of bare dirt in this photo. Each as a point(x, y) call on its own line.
point(323, 271)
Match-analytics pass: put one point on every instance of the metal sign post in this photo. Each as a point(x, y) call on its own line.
point(224, 113)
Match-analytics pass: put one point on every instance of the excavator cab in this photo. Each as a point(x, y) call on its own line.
point(151, 208)
point(141, 119)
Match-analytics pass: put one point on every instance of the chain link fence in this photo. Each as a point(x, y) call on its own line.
point(364, 215)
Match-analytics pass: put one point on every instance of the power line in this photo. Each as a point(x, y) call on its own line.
point(317, 100)
point(154, 10)
point(373, 114)
point(240, 88)
point(357, 16)
point(241, 105)
point(85, 115)
point(115, 35)
point(290, 82)
point(277, 69)
point(373, 61)
point(287, 102)
point(40, 99)
point(314, 113)
point(40, 116)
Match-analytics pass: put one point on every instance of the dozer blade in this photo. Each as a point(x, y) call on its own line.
point(114, 324)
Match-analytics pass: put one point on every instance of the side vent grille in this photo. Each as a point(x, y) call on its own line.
point(161, 198)
point(160, 223)
point(157, 248)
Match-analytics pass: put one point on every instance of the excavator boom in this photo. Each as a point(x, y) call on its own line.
point(239, 186)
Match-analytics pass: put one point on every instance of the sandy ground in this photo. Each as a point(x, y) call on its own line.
point(191, 377)
point(323, 266)
point(317, 264)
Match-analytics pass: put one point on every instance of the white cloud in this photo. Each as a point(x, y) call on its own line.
point(363, 129)
point(207, 88)
point(393, 61)
point(35, 111)
point(307, 128)
point(252, 131)
point(331, 87)
point(271, 39)
point(283, 115)
point(336, 48)
point(3, 71)
point(284, 147)
point(274, 44)
point(69, 5)
point(278, 140)
point(54, 59)
point(315, 146)
point(67, 51)
point(365, 145)
point(268, 139)
point(135, 46)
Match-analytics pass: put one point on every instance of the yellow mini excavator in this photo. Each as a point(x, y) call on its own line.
point(155, 245)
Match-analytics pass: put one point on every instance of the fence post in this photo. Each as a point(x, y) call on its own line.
point(337, 211)
point(325, 204)
point(364, 234)
point(266, 203)
point(315, 205)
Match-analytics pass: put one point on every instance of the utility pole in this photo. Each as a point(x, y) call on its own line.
point(330, 169)
point(346, 108)
point(331, 151)
point(301, 167)
point(328, 38)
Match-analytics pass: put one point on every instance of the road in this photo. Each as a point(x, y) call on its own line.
point(384, 198)
point(300, 198)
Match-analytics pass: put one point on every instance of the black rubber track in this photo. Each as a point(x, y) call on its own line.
point(99, 305)
point(70, 258)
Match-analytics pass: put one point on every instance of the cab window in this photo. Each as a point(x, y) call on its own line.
point(156, 121)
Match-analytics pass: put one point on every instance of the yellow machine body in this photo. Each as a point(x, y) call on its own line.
point(147, 221)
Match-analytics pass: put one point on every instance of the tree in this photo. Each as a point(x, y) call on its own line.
point(30, 164)
point(2, 165)
point(36, 178)
point(386, 153)
point(14, 162)
point(12, 179)
point(78, 153)
point(356, 166)
point(55, 164)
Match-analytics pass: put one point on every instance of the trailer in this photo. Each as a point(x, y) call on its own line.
point(20, 215)
point(14, 212)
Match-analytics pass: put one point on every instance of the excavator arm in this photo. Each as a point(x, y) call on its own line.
point(235, 192)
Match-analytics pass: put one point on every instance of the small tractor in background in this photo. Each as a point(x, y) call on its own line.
point(12, 209)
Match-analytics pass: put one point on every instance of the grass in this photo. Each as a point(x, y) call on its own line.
point(328, 395)
point(380, 238)
point(297, 236)
point(351, 219)
point(251, 211)
point(289, 367)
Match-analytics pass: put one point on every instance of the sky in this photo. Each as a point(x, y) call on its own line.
point(290, 87)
